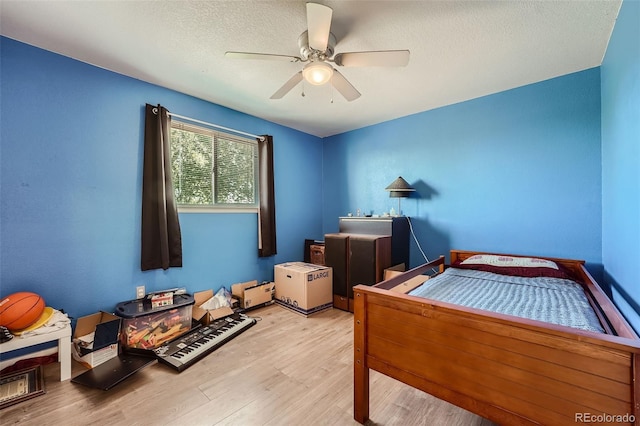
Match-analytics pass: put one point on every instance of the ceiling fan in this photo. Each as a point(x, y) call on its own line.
point(317, 47)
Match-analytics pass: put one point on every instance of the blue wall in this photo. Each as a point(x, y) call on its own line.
point(515, 172)
point(71, 178)
point(530, 170)
point(621, 162)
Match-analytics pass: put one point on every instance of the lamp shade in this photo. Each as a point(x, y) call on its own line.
point(399, 188)
point(317, 72)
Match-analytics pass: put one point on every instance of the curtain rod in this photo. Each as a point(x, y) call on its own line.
point(155, 110)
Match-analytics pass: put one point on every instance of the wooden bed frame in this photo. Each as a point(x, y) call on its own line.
point(510, 370)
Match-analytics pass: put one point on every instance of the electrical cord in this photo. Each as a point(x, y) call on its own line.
point(418, 243)
point(416, 239)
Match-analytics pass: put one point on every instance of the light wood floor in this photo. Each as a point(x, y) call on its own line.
point(285, 370)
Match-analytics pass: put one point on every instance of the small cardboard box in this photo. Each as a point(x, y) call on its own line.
point(161, 299)
point(253, 295)
point(303, 287)
point(206, 316)
point(406, 286)
point(95, 358)
point(316, 254)
point(100, 331)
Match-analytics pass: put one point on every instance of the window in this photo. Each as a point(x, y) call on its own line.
point(212, 169)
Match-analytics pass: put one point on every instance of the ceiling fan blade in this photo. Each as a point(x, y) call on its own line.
point(262, 56)
point(318, 25)
point(344, 87)
point(286, 88)
point(380, 58)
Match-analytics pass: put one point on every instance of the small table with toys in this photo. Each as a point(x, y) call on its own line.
point(21, 310)
point(63, 336)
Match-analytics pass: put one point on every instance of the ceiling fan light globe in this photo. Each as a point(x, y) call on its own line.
point(317, 73)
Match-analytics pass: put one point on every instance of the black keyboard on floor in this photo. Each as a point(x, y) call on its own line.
point(185, 351)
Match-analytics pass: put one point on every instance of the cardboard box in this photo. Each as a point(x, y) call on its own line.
point(407, 285)
point(161, 299)
point(207, 316)
point(400, 267)
point(253, 295)
point(95, 339)
point(95, 358)
point(316, 254)
point(303, 287)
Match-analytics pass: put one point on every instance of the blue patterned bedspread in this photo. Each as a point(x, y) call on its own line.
point(551, 300)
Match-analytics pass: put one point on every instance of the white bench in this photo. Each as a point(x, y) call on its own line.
point(63, 336)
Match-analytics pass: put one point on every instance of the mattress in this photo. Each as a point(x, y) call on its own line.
point(552, 300)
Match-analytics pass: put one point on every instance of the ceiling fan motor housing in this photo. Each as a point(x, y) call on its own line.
point(307, 53)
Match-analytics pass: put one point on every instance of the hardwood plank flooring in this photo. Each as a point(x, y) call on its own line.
point(286, 370)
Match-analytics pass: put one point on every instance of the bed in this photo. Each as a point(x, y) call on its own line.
point(508, 369)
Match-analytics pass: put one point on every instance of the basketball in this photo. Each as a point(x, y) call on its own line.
point(20, 310)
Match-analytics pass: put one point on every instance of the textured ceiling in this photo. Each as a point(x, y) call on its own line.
point(460, 50)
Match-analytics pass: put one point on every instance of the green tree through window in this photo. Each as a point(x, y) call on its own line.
point(213, 169)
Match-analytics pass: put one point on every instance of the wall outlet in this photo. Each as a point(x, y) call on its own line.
point(140, 292)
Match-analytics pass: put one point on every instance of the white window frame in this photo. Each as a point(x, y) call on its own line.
point(220, 208)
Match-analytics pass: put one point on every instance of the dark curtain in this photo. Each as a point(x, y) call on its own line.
point(267, 211)
point(161, 237)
